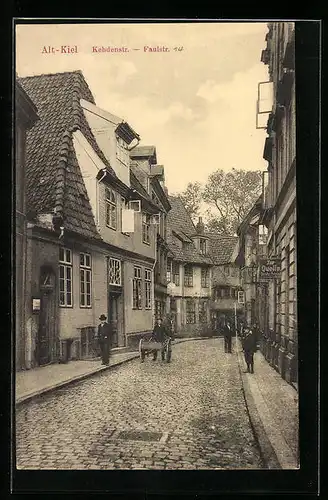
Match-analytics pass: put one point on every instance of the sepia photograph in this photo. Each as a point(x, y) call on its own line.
point(156, 291)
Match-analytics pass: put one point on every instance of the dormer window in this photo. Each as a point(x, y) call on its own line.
point(122, 153)
point(203, 246)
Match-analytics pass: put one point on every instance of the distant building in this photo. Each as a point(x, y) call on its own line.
point(25, 117)
point(188, 272)
point(225, 280)
point(151, 176)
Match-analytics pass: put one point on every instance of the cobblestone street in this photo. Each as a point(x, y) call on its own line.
point(195, 403)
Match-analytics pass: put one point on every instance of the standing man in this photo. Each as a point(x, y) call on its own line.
point(159, 335)
point(249, 346)
point(227, 332)
point(104, 338)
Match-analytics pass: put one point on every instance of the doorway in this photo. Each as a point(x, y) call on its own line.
point(115, 318)
point(45, 344)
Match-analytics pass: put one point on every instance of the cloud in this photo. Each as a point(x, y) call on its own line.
point(124, 70)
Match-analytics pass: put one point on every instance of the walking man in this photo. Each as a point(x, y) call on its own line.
point(227, 332)
point(104, 338)
point(249, 347)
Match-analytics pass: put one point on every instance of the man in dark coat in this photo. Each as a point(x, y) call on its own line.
point(249, 347)
point(159, 335)
point(227, 332)
point(104, 338)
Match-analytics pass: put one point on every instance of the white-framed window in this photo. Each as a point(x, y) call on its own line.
point(85, 280)
point(122, 152)
point(146, 228)
point(111, 208)
point(137, 295)
point(203, 246)
point(190, 312)
point(169, 271)
point(114, 272)
point(147, 288)
point(188, 275)
point(205, 277)
point(176, 273)
point(65, 277)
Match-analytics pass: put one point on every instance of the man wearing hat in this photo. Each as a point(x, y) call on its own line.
point(104, 338)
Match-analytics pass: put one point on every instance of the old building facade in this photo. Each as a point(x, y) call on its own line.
point(25, 117)
point(279, 200)
point(188, 273)
point(268, 233)
point(92, 228)
point(225, 283)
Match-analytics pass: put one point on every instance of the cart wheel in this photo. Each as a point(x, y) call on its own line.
point(141, 352)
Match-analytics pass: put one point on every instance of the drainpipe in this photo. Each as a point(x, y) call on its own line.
point(104, 170)
point(153, 276)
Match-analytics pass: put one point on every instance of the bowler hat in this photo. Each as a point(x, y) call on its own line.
point(102, 317)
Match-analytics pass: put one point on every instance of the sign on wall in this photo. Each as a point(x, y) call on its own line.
point(269, 269)
point(241, 297)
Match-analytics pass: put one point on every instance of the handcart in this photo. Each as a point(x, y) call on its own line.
point(150, 345)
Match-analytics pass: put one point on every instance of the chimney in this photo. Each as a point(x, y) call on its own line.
point(200, 227)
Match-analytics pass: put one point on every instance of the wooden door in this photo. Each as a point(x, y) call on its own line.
point(46, 340)
point(113, 317)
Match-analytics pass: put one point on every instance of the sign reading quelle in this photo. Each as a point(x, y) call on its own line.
point(269, 269)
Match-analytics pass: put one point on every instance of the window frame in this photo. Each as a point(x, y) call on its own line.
point(176, 275)
point(85, 269)
point(124, 204)
point(137, 288)
point(188, 278)
point(111, 207)
point(148, 288)
point(145, 228)
point(65, 264)
point(205, 280)
point(114, 260)
point(190, 312)
point(203, 246)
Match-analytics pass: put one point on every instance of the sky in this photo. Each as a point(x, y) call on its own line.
point(197, 105)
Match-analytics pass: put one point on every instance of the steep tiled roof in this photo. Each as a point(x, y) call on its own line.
point(221, 248)
point(178, 217)
point(143, 151)
point(180, 227)
point(53, 175)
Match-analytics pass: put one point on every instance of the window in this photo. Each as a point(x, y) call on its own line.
point(85, 280)
point(188, 275)
point(202, 246)
point(114, 272)
point(169, 271)
point(190, 312)
point(176, 273)
point(146, 228)
point(65, 277)
point(147, 288)
point(111, 209)
point(122, 153)
point(205, 277)
point(203, 311)
point(137, 288)
point(227, 270)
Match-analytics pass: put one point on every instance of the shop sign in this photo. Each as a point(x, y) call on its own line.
point(269, 269)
